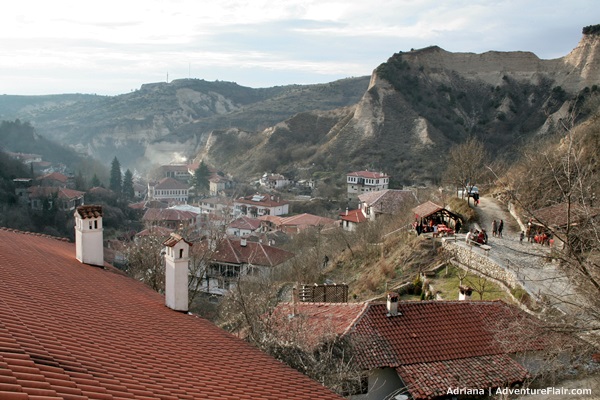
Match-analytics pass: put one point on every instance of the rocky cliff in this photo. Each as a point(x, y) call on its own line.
point(402, 119)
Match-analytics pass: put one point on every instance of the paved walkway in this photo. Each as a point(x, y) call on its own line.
point(541, 278)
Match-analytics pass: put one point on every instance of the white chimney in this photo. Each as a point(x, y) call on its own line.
point(464, 293)
point(89, 246)
point(176, 253)
point(243, 242)
point(392, 304)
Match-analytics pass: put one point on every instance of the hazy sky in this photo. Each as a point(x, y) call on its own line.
point(113, 47)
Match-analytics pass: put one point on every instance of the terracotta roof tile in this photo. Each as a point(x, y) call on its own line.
point(389, 201)
point(356, 216)
point(368, 174)
point(431, 380)
point(232, 251)
point(89, 211)
point(426, 209)
point(429, 343)
point(90, 332)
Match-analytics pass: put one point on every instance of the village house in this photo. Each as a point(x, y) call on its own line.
point(217, 184)
point(365, 181)
point(297, 223)
point(169, 190)
point(234, 259)
point(216, 205)
point(351, 219)
point(181, 172)
point(420, 350)
point(260, 204)
point(55, 179)
point(43, 196)
point(170, 218)
point(386, 203)
point(74, 327)
point(244, 226)
point(274, 181)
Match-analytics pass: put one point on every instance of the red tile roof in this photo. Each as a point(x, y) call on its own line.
point(231, 251)
point(368, 174)
point(426, 209)
point(168, 214)
point(61, 192)
point(306, 220)
point(446, 339)
point(74, 331)
point(317, 321)
point(263, 200)
point(561, 214)
point(432, 380)
point(54, 176)
point(245, 223)
point(356, 216)
point(90, 211)
point(170, 183)
point(388, 201)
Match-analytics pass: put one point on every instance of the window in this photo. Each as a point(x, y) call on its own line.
point(180, 253)
point(96, 224)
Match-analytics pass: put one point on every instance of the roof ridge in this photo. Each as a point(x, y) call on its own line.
point(61, 239)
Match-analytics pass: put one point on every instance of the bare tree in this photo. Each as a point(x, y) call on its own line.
point(465, 167)
point(145, 261)
point(564, 175)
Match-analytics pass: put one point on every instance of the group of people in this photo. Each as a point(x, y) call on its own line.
point(497, 228)
point(474, 235)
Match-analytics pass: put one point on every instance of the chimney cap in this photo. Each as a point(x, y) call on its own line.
point(91, 211)
point(174, 239)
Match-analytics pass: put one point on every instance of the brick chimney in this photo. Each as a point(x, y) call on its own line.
point(89, 246)
point(392, 304)
point(177, 256)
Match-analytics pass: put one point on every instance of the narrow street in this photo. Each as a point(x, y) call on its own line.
point(541, 278)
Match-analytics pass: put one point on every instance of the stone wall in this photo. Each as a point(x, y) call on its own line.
point(472, 257)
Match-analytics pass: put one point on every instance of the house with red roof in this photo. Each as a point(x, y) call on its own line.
point(169, 218)
point(232, 259)
point(352, 218)
point(54, 179)
point(168, 190)
point(420, 350)
point(260, 204)
point(67, 199)
point(386, 202)
point(359, 182)
point(297, 223)
point(243, 226)
point(73, 329)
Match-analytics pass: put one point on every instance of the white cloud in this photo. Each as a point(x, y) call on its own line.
point(101, 45)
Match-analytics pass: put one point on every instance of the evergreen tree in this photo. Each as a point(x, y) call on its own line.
point(95, 181)
point(201, 177)
point(128, 191)
point(116, 180)
point(80, 181)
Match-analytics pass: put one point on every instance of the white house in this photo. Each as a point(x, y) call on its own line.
point(386, 202)
point(244, 226)
point(365, 181)
point(234, 259)
point(169, 190)
point(274, 181)
point(260, 204)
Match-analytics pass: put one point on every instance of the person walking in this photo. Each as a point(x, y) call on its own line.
point(500, 227)
point(494, 228)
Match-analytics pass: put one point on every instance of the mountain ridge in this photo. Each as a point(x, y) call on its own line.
point(401, 119)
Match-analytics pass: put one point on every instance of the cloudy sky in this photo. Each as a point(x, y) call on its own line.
point(113, 47)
